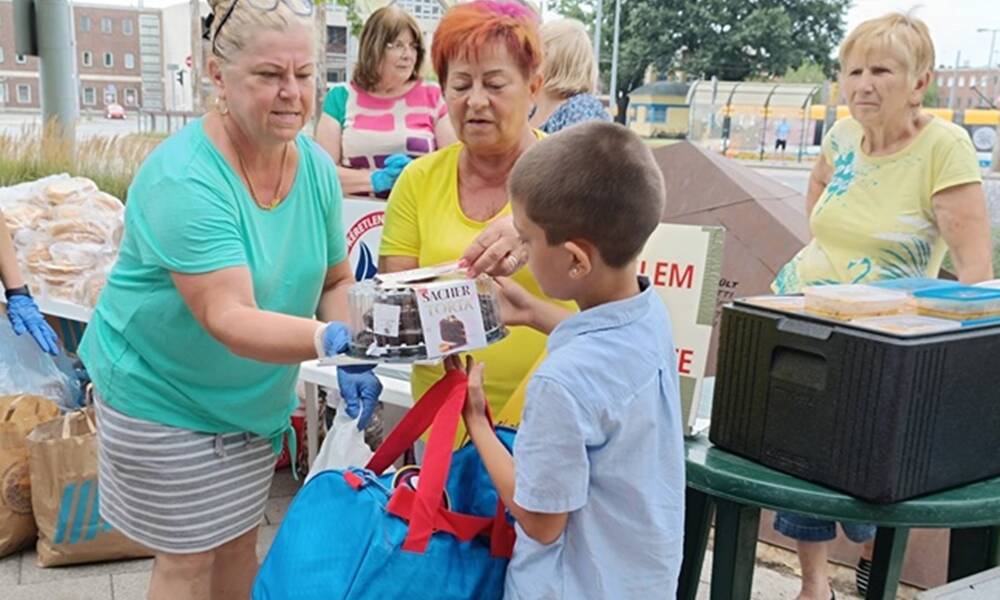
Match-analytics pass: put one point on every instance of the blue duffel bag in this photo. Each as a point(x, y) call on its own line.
point(436, 532)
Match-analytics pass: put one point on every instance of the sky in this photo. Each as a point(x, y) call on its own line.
point(953, 23)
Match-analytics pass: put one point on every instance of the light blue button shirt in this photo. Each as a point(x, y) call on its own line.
point(601, 439)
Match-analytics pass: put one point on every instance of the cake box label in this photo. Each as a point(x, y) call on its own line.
point(386, 319)
point(450, 317)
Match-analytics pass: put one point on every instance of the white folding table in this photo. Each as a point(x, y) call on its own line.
point(395, 383)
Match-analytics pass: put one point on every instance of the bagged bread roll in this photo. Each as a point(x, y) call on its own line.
point(67, 212)
point(61, 191)
point(64, 290)
point(81, 256)
point(106, 203)
point(21, 216)
point(81, 231)
point(91, 289)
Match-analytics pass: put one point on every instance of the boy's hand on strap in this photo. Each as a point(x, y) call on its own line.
point(474, 410)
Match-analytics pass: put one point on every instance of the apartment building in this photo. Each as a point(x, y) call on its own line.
point(118, 59)
point(967, 87)
point(141, 58)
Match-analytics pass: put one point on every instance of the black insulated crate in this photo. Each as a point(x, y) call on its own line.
point(880, 417)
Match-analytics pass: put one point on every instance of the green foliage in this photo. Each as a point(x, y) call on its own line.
point(734, 40)
point(730, 39)
point(110, 162)
point(807, 72)
point(933, 94)
point(354, 19)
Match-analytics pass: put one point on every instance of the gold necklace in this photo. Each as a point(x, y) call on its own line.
point(246, 174)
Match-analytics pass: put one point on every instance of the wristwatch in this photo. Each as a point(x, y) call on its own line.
point(18, 291)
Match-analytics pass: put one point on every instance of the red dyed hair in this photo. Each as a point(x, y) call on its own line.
point(467, 28)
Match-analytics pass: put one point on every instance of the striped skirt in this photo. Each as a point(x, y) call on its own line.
point(178, 491)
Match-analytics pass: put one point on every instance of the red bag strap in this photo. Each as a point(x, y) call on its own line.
point(462, 526)
point(416, 421)
point(440, 408)
point(437, 463)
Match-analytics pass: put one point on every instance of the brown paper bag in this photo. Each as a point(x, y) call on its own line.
point(63, 463)
point(18, 416)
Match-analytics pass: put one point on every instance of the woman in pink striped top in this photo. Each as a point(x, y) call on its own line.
point(386, 115)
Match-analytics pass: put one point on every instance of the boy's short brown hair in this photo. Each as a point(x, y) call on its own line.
point(594, 181)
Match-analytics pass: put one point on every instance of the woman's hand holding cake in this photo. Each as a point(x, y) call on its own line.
point(359, 387)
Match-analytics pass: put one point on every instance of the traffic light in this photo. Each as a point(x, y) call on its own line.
point(180, 77)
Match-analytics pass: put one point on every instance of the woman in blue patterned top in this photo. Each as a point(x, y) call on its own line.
point(570, 74)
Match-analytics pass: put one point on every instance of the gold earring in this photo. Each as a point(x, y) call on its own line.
point(220, 105)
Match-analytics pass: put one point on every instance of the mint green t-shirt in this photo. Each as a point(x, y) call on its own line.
point(188, 212)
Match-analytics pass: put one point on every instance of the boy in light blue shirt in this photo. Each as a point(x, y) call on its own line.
point(596, 481)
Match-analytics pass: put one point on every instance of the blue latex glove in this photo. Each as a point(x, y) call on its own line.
point(397, 162)
point(336, 338)
point(360, 389)
point(383, 179)
point(25, 317)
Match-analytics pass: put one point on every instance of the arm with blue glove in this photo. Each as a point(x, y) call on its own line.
point(359, 387)
point(383, 179)
point(22, 311)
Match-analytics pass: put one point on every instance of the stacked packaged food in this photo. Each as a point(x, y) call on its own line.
point(66, 233)
point(902, 307)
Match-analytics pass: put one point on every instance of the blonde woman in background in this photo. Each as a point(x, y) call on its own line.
point(233, 247)
point(893, 190)
point(570, 78)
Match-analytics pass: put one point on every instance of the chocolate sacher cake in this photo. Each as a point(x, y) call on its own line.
point(386, 324)
point(453, 331)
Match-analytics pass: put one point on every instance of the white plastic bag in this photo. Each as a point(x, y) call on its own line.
point(25, 369)
point(343, 447)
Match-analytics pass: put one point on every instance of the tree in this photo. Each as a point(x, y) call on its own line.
point(931, 97)
point(807, 72)
point(729, 39)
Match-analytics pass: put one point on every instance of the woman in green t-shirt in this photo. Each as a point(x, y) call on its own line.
point(233, 249)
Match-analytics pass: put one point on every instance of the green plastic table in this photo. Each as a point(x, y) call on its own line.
point(736, 489)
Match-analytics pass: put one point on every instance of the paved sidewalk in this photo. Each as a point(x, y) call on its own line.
point(775, 577)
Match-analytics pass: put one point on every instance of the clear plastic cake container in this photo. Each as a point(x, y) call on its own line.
point(388, 325)
point(962, 303)
point(792, 304)
point(907, 325)
point(850, 301)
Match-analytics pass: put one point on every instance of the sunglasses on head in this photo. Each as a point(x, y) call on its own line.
point(303, 8)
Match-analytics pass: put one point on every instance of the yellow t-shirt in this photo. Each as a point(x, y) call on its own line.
point(424, 220)
point(875, 219)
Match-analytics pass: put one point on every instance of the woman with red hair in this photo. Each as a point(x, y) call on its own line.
point(487, 56)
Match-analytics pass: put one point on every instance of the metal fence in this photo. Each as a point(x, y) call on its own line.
point(742, 117)
point(166, 122)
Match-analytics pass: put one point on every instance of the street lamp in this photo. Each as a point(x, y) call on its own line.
point(989, 61)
